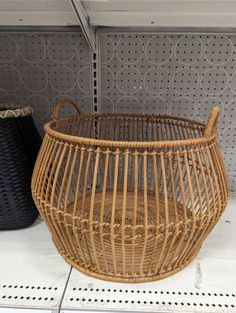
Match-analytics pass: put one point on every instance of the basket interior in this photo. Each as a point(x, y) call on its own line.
point(130, 128)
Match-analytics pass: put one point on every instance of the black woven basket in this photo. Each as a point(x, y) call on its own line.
point(19, 145)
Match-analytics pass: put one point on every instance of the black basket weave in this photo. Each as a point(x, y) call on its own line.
point(19, 145)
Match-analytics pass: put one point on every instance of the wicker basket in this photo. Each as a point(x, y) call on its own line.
point(129, 198)
point(19, 142)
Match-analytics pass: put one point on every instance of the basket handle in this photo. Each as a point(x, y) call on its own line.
point(212, 120)
point(58, 105)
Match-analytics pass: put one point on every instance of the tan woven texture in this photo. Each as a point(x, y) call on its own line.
point(129, 198)
point(9, 110)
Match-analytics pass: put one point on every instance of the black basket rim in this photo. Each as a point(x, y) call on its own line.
point(9, 110)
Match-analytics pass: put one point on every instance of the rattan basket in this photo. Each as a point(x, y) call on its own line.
point(129, 197)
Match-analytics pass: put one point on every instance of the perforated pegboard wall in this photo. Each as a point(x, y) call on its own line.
point(178, 74)
point(38, 68)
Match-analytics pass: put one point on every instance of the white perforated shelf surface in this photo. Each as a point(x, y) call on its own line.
point(208, 284)
point(34, 277)
point(32, 273)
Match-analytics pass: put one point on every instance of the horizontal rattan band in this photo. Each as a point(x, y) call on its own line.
point(8, 110)
point(48, 127)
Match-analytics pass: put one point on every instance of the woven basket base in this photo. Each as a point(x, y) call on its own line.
point(122, 279)
point(132, 271)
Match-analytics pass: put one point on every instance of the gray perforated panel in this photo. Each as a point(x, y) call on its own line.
point(38, 68)
point(178, 74)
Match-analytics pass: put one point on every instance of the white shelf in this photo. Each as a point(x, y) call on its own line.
point(32, 274)
point(161, 13)
point(120, 13)
point(34, 277)
point(208, 284)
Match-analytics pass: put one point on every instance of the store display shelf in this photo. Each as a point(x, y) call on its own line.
point(34, 278)
point(208, 284)
point(33, 275)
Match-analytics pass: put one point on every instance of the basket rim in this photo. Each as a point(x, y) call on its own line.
point(8, 110)
point(128, 144)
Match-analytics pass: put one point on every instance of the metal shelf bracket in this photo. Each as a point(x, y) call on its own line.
point(88, 30)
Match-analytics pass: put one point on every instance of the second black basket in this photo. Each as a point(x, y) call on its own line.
point(19, 145)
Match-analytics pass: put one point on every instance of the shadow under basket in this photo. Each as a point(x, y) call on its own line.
point(129, 198)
